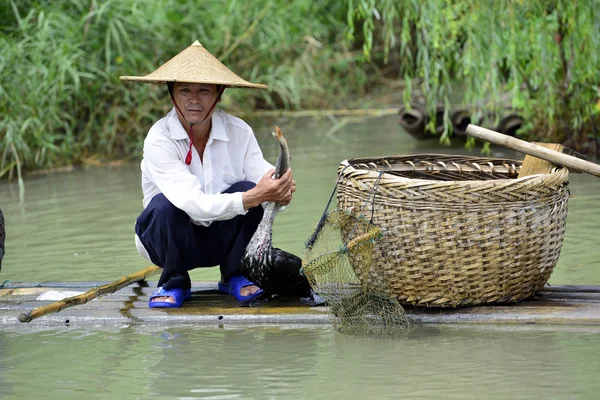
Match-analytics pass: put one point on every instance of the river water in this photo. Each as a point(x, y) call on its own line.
point(78, 226)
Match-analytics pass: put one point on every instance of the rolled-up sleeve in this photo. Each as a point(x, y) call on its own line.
point(173, 178)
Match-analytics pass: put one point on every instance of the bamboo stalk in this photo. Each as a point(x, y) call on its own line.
point(533, 150)
point(89, 295)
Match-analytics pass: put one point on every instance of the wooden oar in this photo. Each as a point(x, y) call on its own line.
point(533, 165)
point(89, 295)
point(534, 150)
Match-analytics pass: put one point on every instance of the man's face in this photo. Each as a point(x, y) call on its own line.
point(194, 100)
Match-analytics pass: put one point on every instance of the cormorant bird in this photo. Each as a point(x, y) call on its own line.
point(275, 271)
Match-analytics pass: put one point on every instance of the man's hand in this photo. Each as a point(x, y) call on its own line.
point(269, 189)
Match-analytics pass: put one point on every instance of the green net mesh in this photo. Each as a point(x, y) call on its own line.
point(338, 263)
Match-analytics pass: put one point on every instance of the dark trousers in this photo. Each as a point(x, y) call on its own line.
point(177, 245)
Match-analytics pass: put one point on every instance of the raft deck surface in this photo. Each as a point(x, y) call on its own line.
point(573, 306)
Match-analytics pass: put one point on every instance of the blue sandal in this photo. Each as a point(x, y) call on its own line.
point(179, 295)
point(235, 285)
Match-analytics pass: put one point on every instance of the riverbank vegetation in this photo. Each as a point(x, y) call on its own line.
point(62, 102)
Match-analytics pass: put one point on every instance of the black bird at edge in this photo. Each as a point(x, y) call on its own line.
point(2, 237)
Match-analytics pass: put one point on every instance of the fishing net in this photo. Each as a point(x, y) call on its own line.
point(338, 263)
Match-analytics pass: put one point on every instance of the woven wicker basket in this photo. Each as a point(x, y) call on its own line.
point(458, 230)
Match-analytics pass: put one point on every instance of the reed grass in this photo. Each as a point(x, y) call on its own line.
point(61, 100)
point(60, 94)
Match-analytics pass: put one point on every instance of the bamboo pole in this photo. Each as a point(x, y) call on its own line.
point(533, 150)
point(89, 295)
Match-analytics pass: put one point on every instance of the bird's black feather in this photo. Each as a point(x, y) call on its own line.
point(278, 273)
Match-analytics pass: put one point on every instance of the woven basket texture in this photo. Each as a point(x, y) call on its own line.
point(458, 230)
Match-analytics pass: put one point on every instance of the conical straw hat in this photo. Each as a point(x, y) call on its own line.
point(194, 65)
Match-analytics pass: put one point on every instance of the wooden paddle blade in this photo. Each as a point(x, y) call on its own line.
point(533, 165)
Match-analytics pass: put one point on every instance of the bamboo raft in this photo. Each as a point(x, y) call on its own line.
point(563, 307)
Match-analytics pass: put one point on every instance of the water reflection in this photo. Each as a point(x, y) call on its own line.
point(195, 363)
point(236, 363)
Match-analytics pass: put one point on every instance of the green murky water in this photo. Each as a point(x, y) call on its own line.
point(79, 227)
point(154, 362)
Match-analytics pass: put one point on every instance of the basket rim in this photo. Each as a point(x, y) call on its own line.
point(442, 156)
point(346, 167)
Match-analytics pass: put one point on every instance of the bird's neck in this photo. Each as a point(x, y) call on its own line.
point(262, 240)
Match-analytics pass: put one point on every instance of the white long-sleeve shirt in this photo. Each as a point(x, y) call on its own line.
point(231, 155)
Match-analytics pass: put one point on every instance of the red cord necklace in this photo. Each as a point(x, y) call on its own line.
point(188, 157)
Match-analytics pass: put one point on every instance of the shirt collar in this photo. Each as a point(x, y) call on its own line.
point(177, 130)
point(218, 128)
point(179, 133)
